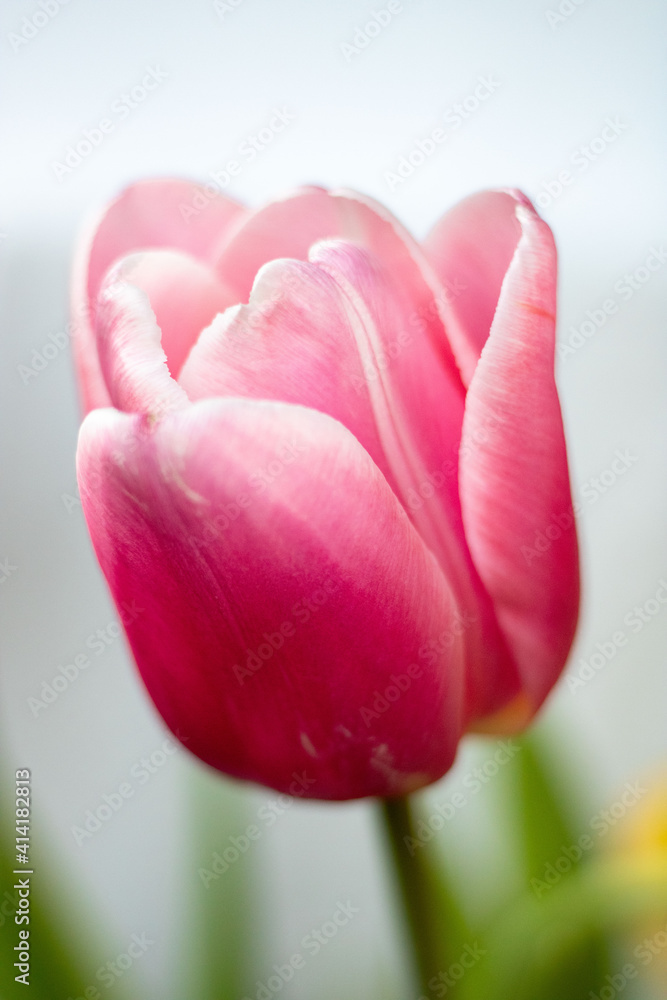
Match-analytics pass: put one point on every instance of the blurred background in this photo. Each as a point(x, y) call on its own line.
point(563, 98)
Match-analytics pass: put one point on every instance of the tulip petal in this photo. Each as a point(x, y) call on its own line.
point(294, 342)
point(161, 214)
point(470, 249)
point(148, 215)
point(275, 596)
point(132, 361)
point(418, 412)
point(334, 334)
point(514, 480)
point(289, 227)
point(184, 294)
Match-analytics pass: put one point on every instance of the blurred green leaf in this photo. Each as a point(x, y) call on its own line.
point(543, 817)
point(460, 940)
point(547, 834)
point(219, 914)
point(538, 938)
point(61, 935)
point(454, 930)
point(434, 921)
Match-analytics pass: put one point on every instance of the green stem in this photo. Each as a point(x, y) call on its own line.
point(419, 904)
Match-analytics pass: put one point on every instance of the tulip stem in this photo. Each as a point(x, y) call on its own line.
point(414, 888)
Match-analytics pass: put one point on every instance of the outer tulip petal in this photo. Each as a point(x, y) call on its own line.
point(257, 538)
point(149, 215)
point(417, 410)
point(514, 481)
point(334, 335)
point(471, 248)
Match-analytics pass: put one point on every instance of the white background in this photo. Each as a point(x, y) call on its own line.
point(353, 118)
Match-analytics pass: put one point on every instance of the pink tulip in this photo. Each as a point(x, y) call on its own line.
point(341, 513)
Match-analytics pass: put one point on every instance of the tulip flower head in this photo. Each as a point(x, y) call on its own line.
point(328, 463)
